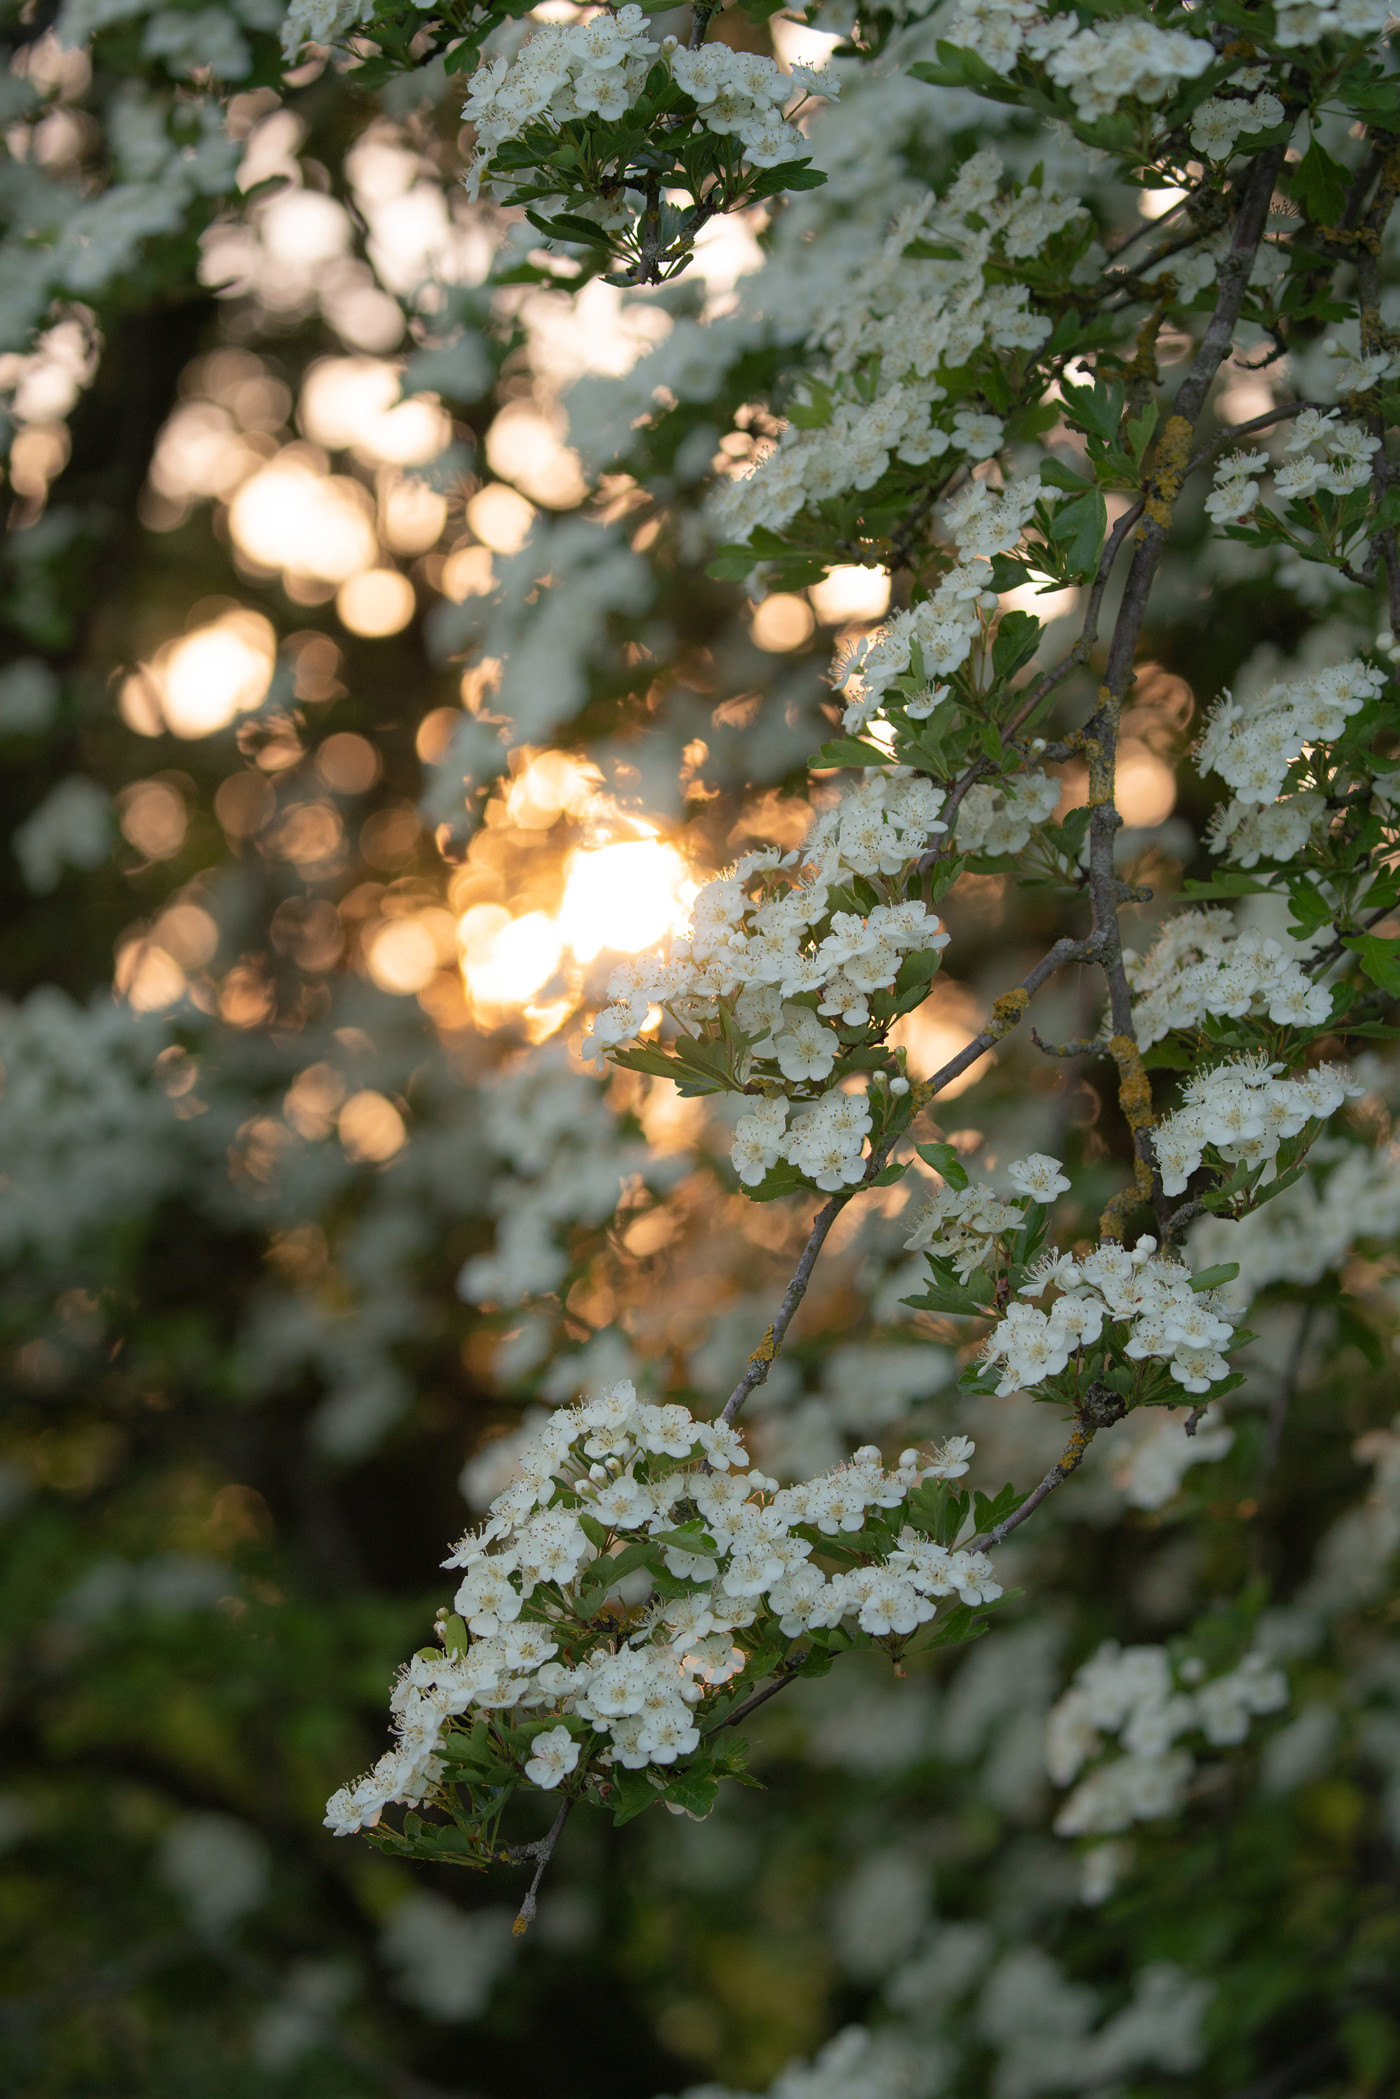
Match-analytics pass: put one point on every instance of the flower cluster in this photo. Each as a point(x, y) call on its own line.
point(908, 324)
point(616, 1490)
point(1100, 66)
point(1299, 24)
point(936, 635)
point(319, 22)
point(999, 816)
point(1219, 123)
point(767, 932)
point(1331, 454)
point(1133, 1694)
point(1244, 1110)
point(826, 1143)
point(1248, 832)
point(599, 68)
point(1349, 1194)
point(1151, 1299)
point(568, 1161)
point(1201, 963)
point(1142, 1305)
point(959, 1225)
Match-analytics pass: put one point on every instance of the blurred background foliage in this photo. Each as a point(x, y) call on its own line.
point(306, 1195)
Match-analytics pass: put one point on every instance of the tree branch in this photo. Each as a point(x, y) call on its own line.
point(1006, 1013)
point(542, 1852)
point(1100, 1408)
point(1099, 738)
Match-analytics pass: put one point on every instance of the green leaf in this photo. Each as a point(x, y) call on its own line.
point(938, 1511)
point(933, 251)
point(988, 1513)
point(655, 1063)
point(1079, 527)
point(895, 1171)
point(959, 68)
point(1379, 958)
point(596, 1533)
point(632, 1793)
point(1319, 184)
point(1309, 911)
point(789, 174)
point(782, 1179)
point(693, 1790)
point(1055, 474)
point(944, 1159)
point(733, 564)
point(1212, 1278)
point(850, 750)
point(916, 973)
point(1018, 637)
point(1224, 885)
point(1098, 410)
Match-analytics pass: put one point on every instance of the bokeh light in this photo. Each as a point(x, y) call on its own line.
point(348, 763)
point(500, 517)
point(934, 1033)
point(153, 818)
point(549, 785)
point(523, 446)
point(783, 621)
point(199, 683)
point(468, 573)
point(292, 518)
point(371, 1128)
point(376, 602)
point(851, 594)
point(352, 404)
point(1146, 786)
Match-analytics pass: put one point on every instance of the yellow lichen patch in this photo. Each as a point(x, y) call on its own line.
point(1007, 1011)
point(1168, 469)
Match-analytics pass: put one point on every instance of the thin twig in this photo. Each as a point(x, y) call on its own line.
point(1101, 1407)
point(543, 1852)
point(1258, 422)
point(1007, 1011)
point(1089, 632)
point(784, 1675)
point(1100, 734)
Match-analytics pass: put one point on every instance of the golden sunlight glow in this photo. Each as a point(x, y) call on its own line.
point(548, 786)
point(506, 960)
point(291, 518)
point(352, 404)
point(851, 594)
point(623, 897)
point(153, 818)
point(378, 601)
point(147, 976)
point(200, 682)
point(935, 1032)
point(200, 452)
